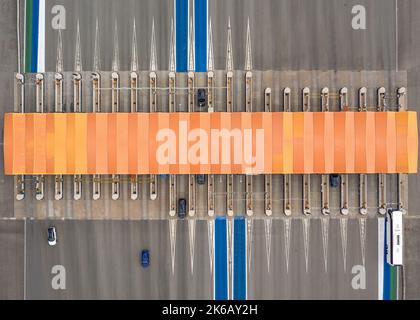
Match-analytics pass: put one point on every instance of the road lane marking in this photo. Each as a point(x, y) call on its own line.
point(172, 240)
point(181, 39)
point(343, 235)
point(34, 42)
point(41, 37)
point(220, 263)
point(35, 28)
point(201, 20)
point(267, 230)
point(210, 235)
point(287, 230)
point(239, 259)
point(306, 229)
point(191, 236)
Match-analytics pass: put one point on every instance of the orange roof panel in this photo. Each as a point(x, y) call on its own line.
point(218, 143)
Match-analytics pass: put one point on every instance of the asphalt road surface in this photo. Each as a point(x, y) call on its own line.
point(318, 36)
point(101, 261)
point(316, 282)
point(12, 259)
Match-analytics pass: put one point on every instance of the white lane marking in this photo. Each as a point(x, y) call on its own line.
point(306, 230)
point(324, 228)
point(362, 231)
point(230, 246)
point(172, 240)
point(343, 234)
point(249, 237)
point(381, 240)
point(287, 231)
point(191, 234)
point(268, 227)
point(41, 37)
point(210, 234)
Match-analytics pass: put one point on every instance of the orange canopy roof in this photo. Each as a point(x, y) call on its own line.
point(192, 143)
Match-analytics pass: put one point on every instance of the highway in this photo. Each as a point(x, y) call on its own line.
point(321, 28)
point(315, 47)
point(101, 261)
point(293, 281)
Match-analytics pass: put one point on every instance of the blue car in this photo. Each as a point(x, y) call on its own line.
point(182, 208)
point(201, 178)
point(334, 180)
point(145, 258)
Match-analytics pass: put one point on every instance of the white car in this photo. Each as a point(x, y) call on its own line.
point(52, 236)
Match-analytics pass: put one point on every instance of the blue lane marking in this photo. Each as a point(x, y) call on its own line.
point(200, 8)
point(220, 263)
point(35, 28)
point(181, 35)
point(387, 272)
point(239, 261)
